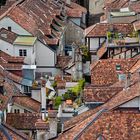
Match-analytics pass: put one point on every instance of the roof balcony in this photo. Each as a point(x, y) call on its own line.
point(115, 39)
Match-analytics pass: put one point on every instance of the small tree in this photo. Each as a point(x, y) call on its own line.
point(58, 101)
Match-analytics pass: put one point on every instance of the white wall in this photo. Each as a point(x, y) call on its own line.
point(21, 108)
point(44, 55)
point(132, 104)
point(6, 47)
point(6, 22)
point(94, 43)
point(36, 94)
point(30, 58)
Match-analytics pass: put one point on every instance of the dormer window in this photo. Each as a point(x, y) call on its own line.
point(118, 67)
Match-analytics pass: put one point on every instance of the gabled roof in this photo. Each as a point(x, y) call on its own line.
point(37, 17)
point(27, 102)
point(23, 121)
point(105, 73)
point(101, 29)
point(75, 10)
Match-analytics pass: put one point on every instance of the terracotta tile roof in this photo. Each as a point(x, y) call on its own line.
point(27, 102)
point(11, 59)
point(62, 61)
point(104, 72)
point(61, 83)
point(116, 4)
point(8, 5)
point(3, 101)
point(12, 92)
point(23, 121)
point(15, 134)
point(102, 50)
point(8, 63)
point(13, 77)
point(11, 66)
point(135, 67)
point(75, 10)
point(108, 124)
point(100, 29)
point(40, 124)
point(37, 17)
point(22, 18)
point(80, 122)
point(100, 94)
point(115, 125)
point(79, 118)
point(7, 36)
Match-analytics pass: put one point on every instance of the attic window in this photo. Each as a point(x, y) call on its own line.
point(118, 67)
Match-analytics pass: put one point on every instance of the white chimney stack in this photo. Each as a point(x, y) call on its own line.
point(43, 97)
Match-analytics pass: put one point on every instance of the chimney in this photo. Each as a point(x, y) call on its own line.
point(52, 115)
point(43, 98)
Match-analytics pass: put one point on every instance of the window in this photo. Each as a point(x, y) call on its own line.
point(16, 111)
point(22, 52)
point(27, 89)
